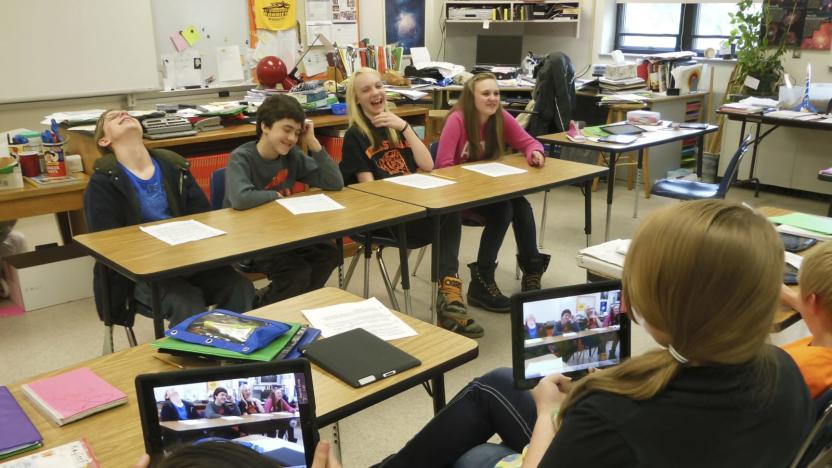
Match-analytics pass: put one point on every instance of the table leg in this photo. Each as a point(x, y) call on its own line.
point(402, 236)
point(610, 185)
point(754, 161)
point(588, 210)
point(339, 243)
point(336, 440)
point(156, 305)
point(65, 227)
point(543, 219)
point(368, 253)
point(638, 178)
point(434, 269)
point(107, 314)
point(700, 155)
point(438, 384)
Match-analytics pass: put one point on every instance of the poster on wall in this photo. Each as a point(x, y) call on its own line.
point(800, 23)
point(404, 22)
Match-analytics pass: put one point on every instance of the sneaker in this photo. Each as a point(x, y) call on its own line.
point(483, 291)
point(453, 315)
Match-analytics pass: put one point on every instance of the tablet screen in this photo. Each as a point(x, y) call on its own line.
point(266, 412)
point(570, 335)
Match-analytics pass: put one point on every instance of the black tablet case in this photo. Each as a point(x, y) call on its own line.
point(358, 357)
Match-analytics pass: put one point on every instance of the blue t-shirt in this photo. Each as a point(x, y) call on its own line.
point(153, 200)
point(183, 412)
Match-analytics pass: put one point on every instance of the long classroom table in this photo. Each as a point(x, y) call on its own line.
point(473, 189)
point(115, 435)
point(268, 228)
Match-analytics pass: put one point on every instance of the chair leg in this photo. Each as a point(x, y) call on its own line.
point(351, 268)
point(543, 219)
point(419, 259)
point(131, 337)
point(645, 173)
point(386, 278)
point(108, 340)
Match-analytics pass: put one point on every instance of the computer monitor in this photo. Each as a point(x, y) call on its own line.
point(499, 50)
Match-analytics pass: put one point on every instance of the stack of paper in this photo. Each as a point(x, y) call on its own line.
point(606, 259)
point(370, 315)
point(73, 395)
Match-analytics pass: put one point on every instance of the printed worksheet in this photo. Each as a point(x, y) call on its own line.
point(309, 204)
point(494, 169)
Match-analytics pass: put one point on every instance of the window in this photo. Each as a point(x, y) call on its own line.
point(665, 27)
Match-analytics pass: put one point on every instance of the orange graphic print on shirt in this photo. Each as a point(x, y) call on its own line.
point(277, 180)
point(389, 158)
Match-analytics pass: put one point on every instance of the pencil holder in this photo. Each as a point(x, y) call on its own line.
point(53, 155)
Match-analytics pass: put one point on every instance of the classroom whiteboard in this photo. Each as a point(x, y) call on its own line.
point(220, 23)
point(54, 49)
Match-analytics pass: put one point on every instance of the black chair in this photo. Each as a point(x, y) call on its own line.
point(819, 442)
point(691, 190)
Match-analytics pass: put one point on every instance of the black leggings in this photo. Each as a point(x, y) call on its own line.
point(517, 212)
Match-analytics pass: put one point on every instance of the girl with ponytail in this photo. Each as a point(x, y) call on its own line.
point(703, 279)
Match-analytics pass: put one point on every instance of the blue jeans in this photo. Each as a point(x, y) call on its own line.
point(488, 405)
point(483, 456)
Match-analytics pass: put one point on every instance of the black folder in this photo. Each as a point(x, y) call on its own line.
point(358, 357)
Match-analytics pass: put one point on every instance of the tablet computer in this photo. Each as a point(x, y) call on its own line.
point(567, 330)
point(622, 129)
point(191, 406)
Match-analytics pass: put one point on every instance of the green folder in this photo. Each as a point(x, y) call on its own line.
point(268, 353)
point(818, 224)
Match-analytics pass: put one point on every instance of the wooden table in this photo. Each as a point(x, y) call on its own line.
point(65, 201)
point(191, 425)
point(115, 435)
point(645, 140)
point(474, 189)
point(268, 228)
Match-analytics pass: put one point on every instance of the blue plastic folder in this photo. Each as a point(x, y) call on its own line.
point(17, 433)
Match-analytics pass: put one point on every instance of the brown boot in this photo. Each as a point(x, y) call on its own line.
point(533, 269)
point(453, 315)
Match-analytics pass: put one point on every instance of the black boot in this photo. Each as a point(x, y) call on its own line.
point(533, 268)
point(483, 291)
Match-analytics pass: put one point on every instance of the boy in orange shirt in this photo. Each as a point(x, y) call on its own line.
point(813, 354)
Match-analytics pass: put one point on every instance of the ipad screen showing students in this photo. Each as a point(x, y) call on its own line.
point(270, 413)
point(568, 334)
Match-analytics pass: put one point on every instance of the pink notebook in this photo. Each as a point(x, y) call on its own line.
point(73, 395)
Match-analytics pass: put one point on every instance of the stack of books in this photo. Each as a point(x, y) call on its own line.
point(605, 259)
point(625, 84)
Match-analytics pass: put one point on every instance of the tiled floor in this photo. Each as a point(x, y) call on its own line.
point(61, 335)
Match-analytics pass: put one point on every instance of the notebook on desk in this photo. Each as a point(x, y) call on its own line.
point(73, 395)
point(17, 433)
point(358, 357)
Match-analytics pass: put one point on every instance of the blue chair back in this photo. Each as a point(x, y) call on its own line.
point(733, 167)
point(217, 188)
point(434, 150)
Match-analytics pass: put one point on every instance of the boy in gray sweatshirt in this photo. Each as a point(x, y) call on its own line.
point(264, 170)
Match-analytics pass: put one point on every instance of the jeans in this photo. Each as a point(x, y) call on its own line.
point(483, 456)
point(488, 405)
point(185, 296)
point(420, 233)
point(517, 212)
point(297, 271)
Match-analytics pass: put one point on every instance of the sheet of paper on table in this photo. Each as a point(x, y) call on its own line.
point(494, 169)
point(309, 204)
point(370, 315)
point(179, 232)
point(419, 181)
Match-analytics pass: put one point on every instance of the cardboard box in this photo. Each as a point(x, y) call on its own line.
point(620, 72)
point(48, 277)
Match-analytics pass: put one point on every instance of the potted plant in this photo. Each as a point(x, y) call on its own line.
point(760, 47)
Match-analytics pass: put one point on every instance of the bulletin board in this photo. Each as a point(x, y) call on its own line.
point(220, 24)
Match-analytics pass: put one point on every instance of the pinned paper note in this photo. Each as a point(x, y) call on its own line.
point(229, 66)
point(315, 62)
point(179, 42)
point(191, 35)
point(185, 66)
point(751, 82)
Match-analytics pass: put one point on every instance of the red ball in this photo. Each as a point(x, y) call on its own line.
point(271, 71)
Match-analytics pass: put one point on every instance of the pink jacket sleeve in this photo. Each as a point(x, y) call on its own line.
point(268, 405)
point(449, 141)
point(518, 139)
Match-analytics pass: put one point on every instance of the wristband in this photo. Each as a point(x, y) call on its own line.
point(406, 126)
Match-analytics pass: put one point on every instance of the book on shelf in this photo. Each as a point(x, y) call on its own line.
point(44, 180)
point(73, 395)
point(17, 433)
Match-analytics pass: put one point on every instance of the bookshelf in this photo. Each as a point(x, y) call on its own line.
point(496, 12)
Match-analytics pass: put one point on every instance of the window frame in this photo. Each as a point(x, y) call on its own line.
point(685, 38)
